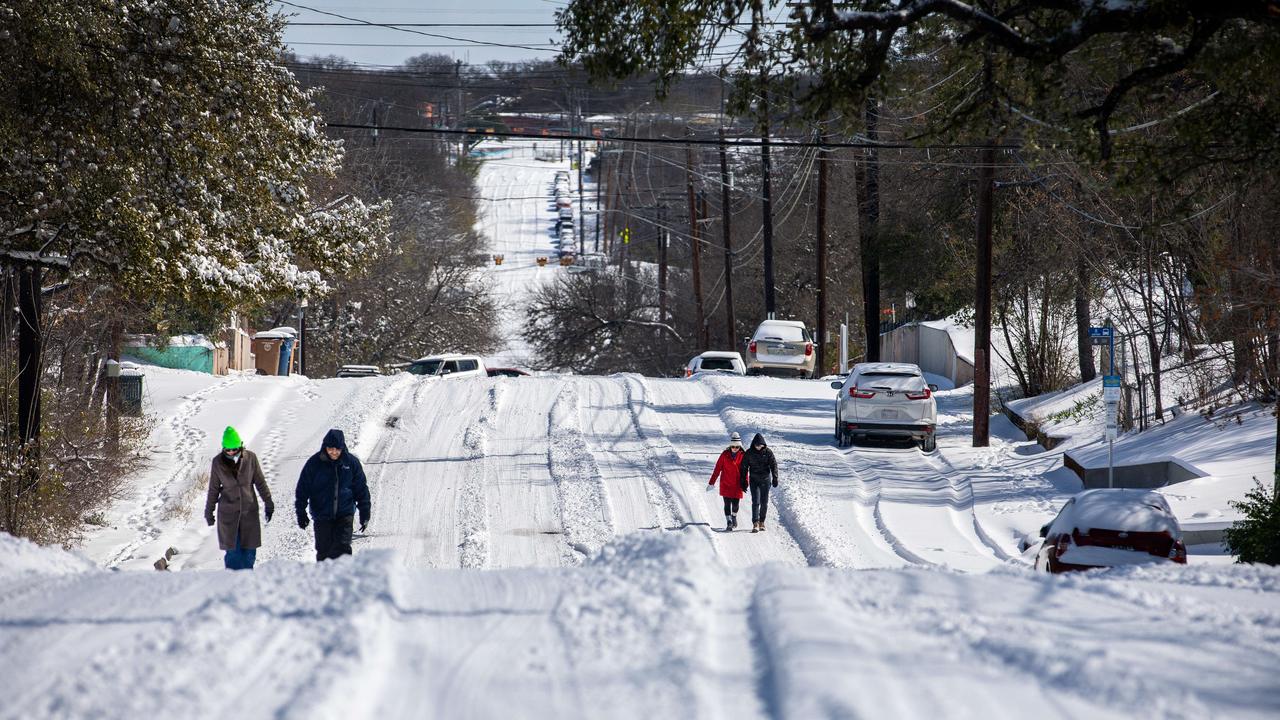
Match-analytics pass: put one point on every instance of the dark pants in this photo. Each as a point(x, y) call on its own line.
point(759, 500)
point(333, 537)
point(731, 505)
point(239, 558)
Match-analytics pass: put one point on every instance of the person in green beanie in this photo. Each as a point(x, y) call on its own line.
point(232, 480)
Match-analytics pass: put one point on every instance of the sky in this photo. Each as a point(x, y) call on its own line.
point(387, 46)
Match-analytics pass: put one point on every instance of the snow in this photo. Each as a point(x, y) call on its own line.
point(1129, 510)
point(653, 625)
point(888, 583)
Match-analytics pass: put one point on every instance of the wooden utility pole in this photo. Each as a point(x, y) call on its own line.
point(694, 242)
point(982, 301)
point(662, 263)
point(30, 352)
point(869, 225)
point(821, 299)
point(703, 330)
point(725, 213)
point(770, 303)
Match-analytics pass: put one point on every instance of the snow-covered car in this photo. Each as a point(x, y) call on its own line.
point(780, 347)
point(451, 365)
point(1111, 528)
point(718, 362)
point(507, 372)
point(886, 400)
point(358, 371)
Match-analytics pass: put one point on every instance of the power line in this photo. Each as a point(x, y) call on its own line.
point(413, 31)
point(781, 142)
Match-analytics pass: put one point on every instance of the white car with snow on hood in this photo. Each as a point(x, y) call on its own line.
point(886, 400)
point(452, 365)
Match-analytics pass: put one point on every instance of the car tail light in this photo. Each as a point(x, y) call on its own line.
point(752, 347)
point(1064, 542)
point(688, 372)
point(808, 349)
point(922, 395)
point(854, 392)
point(1178, 552)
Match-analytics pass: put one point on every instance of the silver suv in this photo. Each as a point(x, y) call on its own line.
point(887, 400)
point(780, 347)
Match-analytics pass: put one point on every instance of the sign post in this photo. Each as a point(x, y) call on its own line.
point(1111, 398)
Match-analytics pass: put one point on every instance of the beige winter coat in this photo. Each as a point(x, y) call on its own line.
point(231, 490)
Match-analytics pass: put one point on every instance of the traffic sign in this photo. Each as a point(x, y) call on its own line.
point(1107, 331)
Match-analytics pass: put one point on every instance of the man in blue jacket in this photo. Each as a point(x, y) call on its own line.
point(333, 483)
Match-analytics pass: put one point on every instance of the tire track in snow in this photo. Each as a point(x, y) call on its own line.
point(805, 509)
point(928, 514)
point(473, 512)
point(186, 461)
point(585, 515)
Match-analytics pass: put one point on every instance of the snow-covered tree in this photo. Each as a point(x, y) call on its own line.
point(162, 143)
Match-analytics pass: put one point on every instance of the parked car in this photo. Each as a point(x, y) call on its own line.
point(507, 372)
point(1110, 528)
point(780, 347)
point(358, 371)
point(716, 361)
point(886, 400)
point(451, 365)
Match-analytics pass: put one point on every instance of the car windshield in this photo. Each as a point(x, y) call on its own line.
point(891, 381)
point(785, 333)
point(425, 367)
point(717, 364)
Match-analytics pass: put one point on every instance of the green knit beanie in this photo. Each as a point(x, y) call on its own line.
point(231, 439)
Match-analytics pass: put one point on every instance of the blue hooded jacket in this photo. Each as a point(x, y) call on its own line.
point(333, 488)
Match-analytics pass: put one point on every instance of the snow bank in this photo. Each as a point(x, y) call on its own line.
point(19, 556)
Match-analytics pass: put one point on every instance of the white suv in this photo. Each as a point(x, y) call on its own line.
point(886, 400)
point(780, 347)
point(451, 366)
point(716, 362)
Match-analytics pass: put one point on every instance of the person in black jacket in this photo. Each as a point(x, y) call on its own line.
point(333, 484)
point(761, 469)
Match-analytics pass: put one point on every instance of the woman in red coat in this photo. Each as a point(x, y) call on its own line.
point(728, 470)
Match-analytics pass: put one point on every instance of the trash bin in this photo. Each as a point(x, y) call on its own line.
point(286, 355)
point(131, 395)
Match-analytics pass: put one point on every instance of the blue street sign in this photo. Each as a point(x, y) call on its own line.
point(1102, 332)
point(1109, 381)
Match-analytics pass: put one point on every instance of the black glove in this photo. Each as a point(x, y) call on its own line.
point(208, 517)
point(364, 522)
point(303, 521)
point(775, 483)
point(271, 509)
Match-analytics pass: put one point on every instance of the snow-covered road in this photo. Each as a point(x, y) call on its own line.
point(887, 585)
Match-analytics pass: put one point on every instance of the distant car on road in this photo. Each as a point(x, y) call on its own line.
point(507, 372)
point(451, 365)
point(1110, 528)
point(716, 361)
point(886, 400)
point(358, 371)
point(780, 347)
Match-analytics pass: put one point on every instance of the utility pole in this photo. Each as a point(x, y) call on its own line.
point(694, 241)
point(770, 305)
point(662, 263)
point(870, 228)
point(599, 184)
point(703, 330)
point(730, 321)
point(582, 208)
point(822, 261)
point(982, 302)
point(458, 122)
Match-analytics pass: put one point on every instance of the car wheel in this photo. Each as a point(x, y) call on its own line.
point(839, 434)
point(930, 443)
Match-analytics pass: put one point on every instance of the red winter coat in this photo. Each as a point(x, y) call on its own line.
point(728, 469)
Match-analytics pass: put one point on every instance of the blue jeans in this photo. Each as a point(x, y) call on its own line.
point(240, 558)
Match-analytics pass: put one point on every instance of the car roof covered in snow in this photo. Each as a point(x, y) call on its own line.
point(727, 355)
point(1119, 509)
point(783, 323)
point(885, 367)
point(445, 356)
